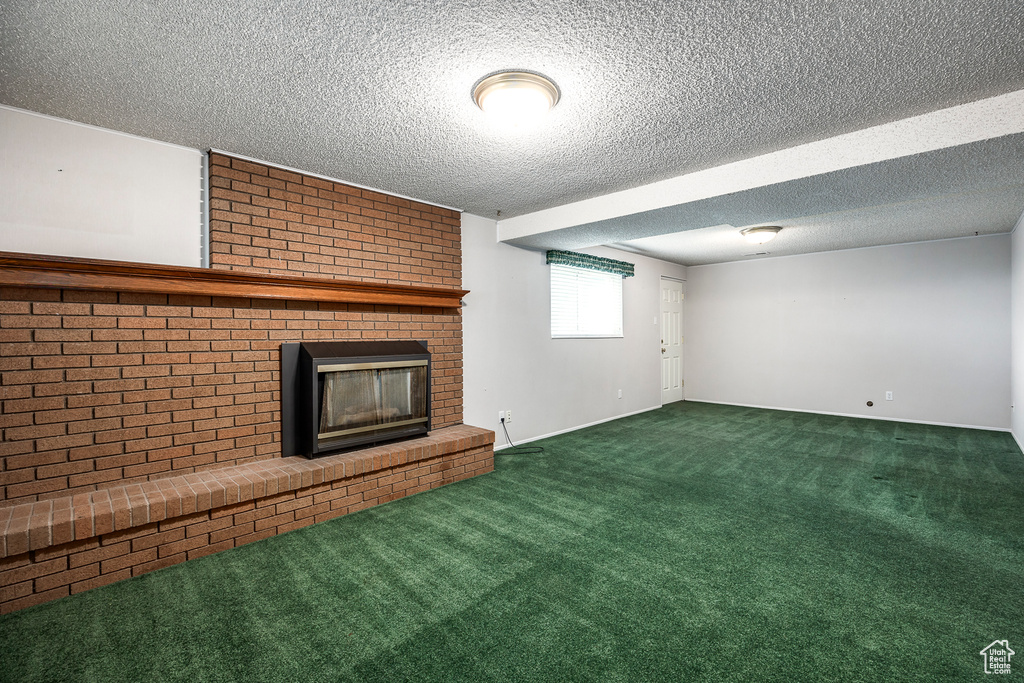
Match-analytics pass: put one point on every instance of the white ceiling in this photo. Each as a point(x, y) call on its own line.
point(952, 191)
point(379, 94)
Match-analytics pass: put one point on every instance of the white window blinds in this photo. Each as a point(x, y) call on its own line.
point(585, 303)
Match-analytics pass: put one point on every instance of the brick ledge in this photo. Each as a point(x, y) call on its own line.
point(42, 524)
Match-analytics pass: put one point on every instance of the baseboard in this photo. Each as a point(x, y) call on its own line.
point(499, 435)
point(862, 417)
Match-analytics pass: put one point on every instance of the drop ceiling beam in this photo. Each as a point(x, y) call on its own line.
point(976, 121)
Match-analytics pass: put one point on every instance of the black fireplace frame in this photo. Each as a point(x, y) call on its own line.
point(300, 403)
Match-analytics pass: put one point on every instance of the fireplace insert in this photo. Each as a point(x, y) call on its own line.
point(337, 395)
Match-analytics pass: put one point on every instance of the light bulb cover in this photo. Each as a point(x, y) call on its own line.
point(760, 234)
point(515, 97)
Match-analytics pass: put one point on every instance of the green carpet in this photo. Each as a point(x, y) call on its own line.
point(691, 543)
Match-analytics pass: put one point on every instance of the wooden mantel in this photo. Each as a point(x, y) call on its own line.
point(59, 272)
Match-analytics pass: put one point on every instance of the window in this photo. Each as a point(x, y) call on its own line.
point(585, 303)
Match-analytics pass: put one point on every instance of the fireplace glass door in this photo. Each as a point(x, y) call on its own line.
point(371, 399)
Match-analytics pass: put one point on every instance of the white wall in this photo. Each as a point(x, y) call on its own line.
point(551, 385)
point(829, 332)
point(1017, 323)
point(76, 190)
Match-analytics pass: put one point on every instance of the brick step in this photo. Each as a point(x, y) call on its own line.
point(42, 524)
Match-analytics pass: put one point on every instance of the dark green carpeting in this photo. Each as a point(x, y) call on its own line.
point(691, 543)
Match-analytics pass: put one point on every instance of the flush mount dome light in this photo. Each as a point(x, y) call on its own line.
point(515, 98)
point(761, 234)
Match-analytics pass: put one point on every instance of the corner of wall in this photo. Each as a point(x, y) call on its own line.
point(1017, 332)
point(510, 361)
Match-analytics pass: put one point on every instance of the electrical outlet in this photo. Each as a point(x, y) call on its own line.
point(501, 416)
point(508, 416)
point(888, 396)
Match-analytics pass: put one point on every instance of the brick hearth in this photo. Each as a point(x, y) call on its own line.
point(67, 545)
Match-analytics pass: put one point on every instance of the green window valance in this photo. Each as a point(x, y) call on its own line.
point(577, 260)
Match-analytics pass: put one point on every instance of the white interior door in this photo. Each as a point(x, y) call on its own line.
point(671, 341)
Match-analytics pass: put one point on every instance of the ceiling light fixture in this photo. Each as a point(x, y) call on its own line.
point(515, 98)
point(761, 234)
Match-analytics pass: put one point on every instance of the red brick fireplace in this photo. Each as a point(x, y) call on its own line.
point(141, 404)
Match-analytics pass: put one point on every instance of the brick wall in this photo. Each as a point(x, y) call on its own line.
point(268, 220)
point(99, 388)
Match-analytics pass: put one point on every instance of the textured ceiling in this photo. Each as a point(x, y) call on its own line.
point(378, 93)
point(951, 192)
point(980, 213)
